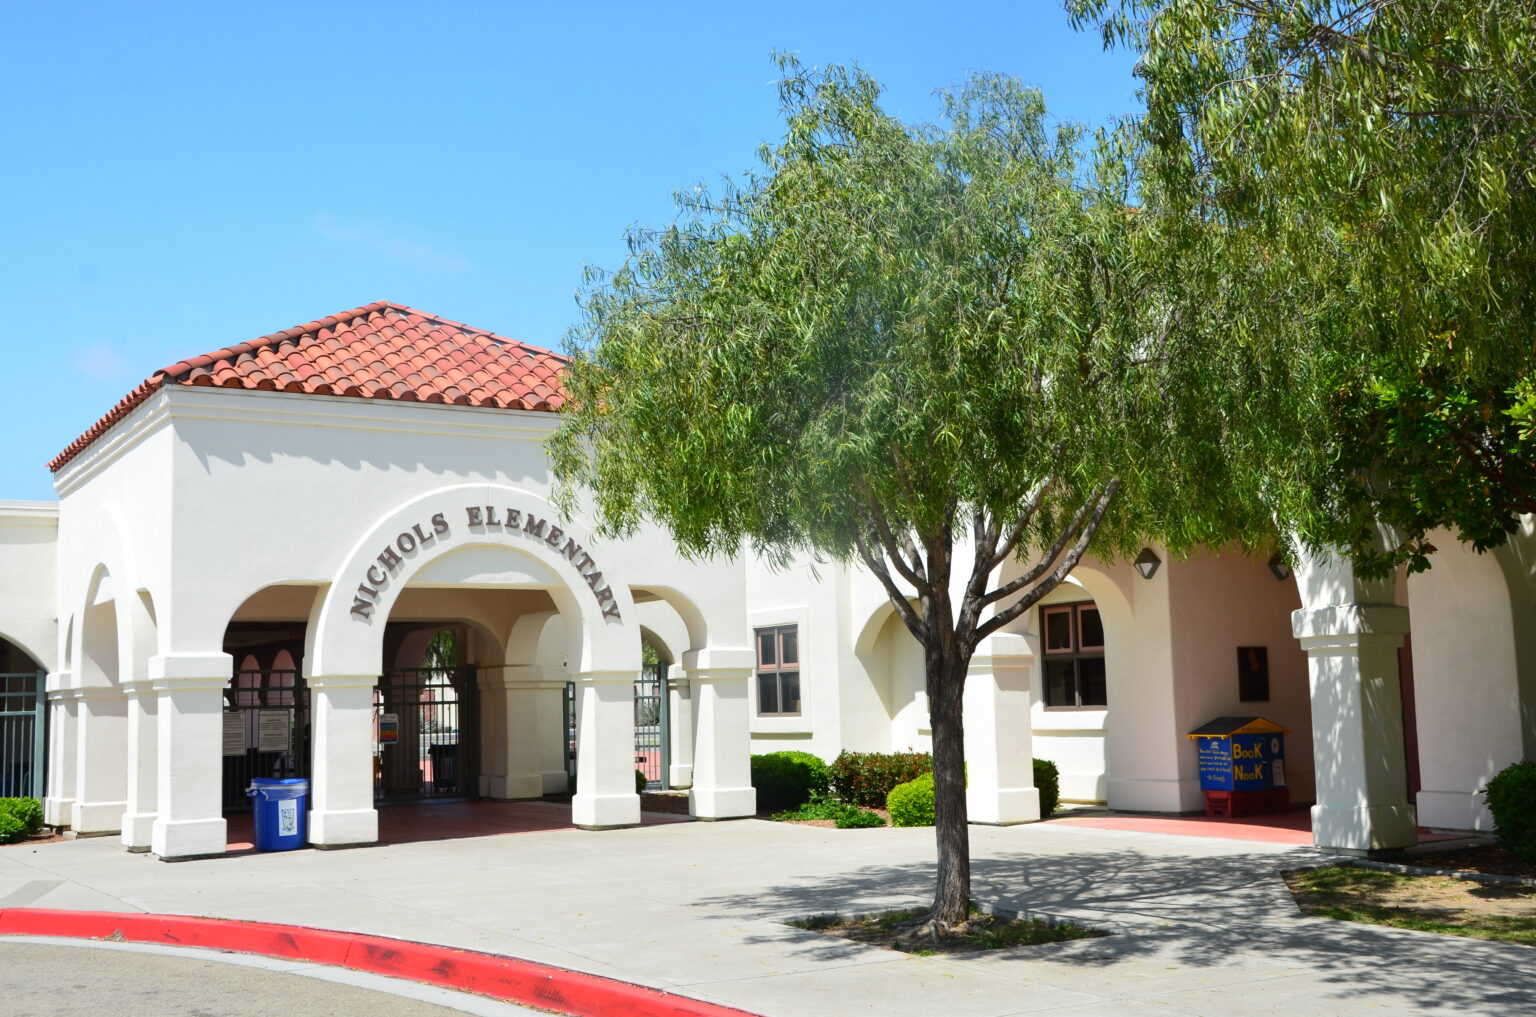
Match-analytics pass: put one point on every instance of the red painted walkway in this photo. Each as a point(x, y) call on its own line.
point(410, 824)
point(1293, 827)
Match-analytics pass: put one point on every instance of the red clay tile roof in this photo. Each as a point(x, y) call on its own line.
point(381, 351)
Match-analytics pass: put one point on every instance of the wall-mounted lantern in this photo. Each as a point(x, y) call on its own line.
point(1278, 568)
point(1147, 563)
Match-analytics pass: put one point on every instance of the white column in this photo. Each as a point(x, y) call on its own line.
point(493, 731)
point(189, 764)
point(999, 752)
point(1351, 631)
point(59, 804)
point(524, 766)
point(341, 786)
point(143, 775)
point(552, 736)
point(605, 751)
point(101, 749)
point(722, 770)
point(679, 730)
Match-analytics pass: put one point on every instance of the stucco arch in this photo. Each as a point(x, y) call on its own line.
point(693, 618)
point(31, 651)
point(346, 638)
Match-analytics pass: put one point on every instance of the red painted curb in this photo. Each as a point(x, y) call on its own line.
point(518, 981)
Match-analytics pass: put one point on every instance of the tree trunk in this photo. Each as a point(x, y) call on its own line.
point(946, 686)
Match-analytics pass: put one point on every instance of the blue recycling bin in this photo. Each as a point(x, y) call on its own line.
point(280, 812)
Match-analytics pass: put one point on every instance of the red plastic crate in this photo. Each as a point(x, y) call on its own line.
point(1235, 804)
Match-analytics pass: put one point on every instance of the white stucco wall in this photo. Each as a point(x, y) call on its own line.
point(1471, 621)
point(28, 563)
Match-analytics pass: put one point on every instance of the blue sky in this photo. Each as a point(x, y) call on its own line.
point(181, 176)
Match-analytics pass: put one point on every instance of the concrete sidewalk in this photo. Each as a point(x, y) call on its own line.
point(1206, 926)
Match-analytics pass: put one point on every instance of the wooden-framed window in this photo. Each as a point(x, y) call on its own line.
point(1072, 638)
point(778, 671)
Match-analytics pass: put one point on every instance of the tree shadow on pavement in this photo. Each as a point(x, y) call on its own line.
point(1204, 913)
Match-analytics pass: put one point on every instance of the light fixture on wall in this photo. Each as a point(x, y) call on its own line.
point(1278, 568)
point(1147, 563)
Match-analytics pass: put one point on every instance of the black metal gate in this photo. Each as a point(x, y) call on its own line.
point(651, 749)
point(266, 731)
point(23, 706)
point(427, 729)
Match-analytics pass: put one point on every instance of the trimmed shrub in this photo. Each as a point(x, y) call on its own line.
point(640, 782)
point(911, 804)
point(856, 818)
point(1048, 781)
point(787, 780)
point(867, 778)
point(1511, 796)
point(20, 818)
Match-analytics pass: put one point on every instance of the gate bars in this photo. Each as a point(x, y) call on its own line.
point(22, 732)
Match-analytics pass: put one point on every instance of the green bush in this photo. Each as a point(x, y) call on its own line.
point(911, 804)
point(1048, 781)
point(847, 817)
point(640, 781)
point(20, 818)
point(788, 779)
point(867, 778)
point(854, 818)
point(1511, 796)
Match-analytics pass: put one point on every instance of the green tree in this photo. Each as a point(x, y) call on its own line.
point(1366, 170)
point(927, 349)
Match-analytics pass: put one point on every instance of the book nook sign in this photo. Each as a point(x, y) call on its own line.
point(484, 518)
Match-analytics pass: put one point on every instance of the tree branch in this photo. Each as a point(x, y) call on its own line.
point(1001, 618)
point(876, 564)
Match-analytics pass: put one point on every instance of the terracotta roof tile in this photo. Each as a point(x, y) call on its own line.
point(381, 351)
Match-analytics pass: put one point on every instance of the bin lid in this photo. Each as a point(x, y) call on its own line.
point(1225, 727)
point(278, 781)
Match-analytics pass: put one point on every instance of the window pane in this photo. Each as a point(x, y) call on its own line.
point(1058, 629)
point(1092, 688)
point(767, 656)
point(1060, 686)
point(1090, 629)
point(789, 691)
point(767, 693)
point(789, 643)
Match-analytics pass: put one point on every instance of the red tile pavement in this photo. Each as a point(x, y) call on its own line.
point(1293, 827)
point(409, 824)
point(378, 351)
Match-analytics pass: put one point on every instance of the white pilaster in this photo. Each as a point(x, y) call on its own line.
point(143, 775)
point(680, 730)
point(528, 757)
point(101, 747)
point(722, 770)
point(189, 763)
point(999, 754)
point(341, 788)
point(1351, 631)
point(59, 804)
point(605, 751)
point(493, 731)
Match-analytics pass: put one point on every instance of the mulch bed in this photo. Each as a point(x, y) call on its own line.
point(45, 837)
point(1489, 859)
point(671, 804)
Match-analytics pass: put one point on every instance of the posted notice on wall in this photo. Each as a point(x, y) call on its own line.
point(274, 731)
point(234, 732)
point(389, 728)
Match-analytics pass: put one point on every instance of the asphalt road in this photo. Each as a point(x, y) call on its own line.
point(72, 978)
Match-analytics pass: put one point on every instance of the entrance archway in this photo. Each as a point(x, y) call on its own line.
point(23, 730)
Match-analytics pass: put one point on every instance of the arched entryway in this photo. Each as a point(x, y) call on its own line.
point(23, 726)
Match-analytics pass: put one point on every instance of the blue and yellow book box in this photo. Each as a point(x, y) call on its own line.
point(1242, 766)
